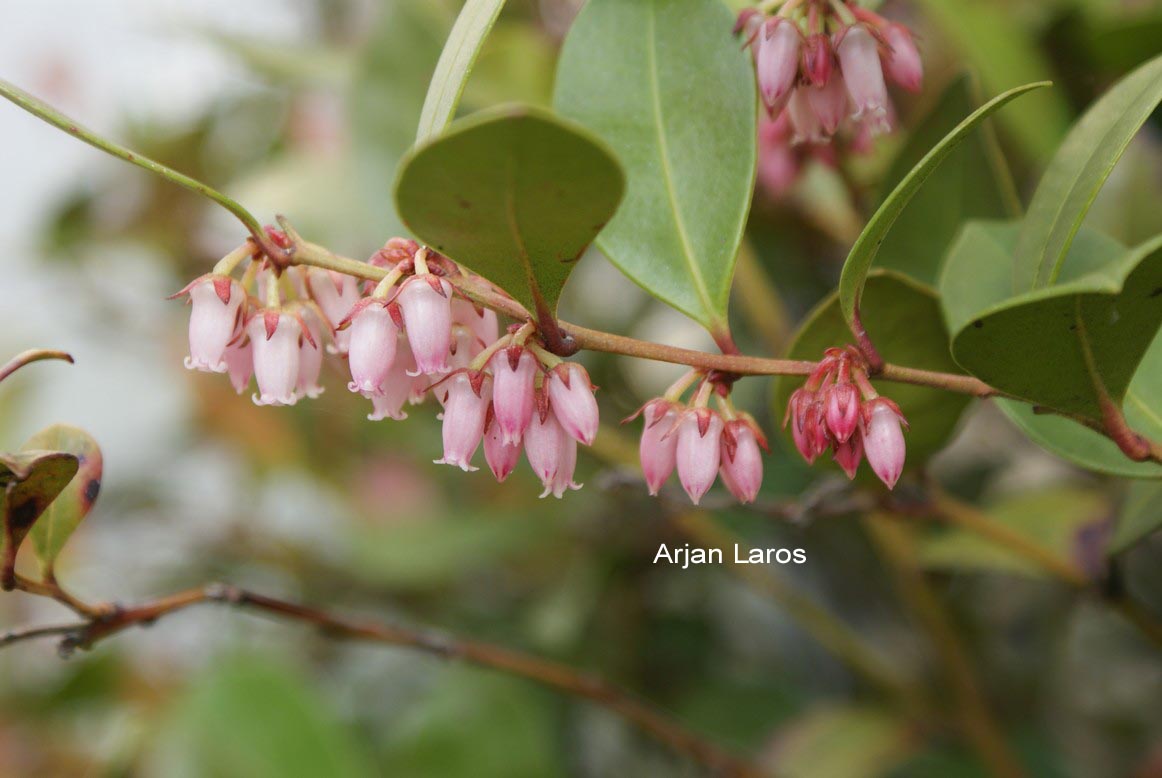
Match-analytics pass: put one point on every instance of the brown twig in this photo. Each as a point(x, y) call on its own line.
point(111, 620)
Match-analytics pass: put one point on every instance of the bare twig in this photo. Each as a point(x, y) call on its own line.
point(30, 356)
point(111, 620)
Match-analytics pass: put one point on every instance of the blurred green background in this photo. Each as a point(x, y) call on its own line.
point(304, 108)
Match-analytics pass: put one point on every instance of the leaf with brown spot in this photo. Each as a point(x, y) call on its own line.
point(74, 502)
point(32, 479)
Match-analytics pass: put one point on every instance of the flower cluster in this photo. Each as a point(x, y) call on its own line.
point(837, 409)
point(700, 443)
point(821, 64)
point(411, 335)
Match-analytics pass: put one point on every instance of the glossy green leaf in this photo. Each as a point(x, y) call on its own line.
point(29, 481)
point(387, 95)
point(1004, 51)
point(1077, 172)
point(667, 85)
point(62, 517)
point(252, 716)
point(1051, 345)
point(1073, 441)
point(972, 183)
point(455, 65)
point(1067, 523)
point(903, 318)
point(863, 253)
point(513, 193)
point(1141, 515)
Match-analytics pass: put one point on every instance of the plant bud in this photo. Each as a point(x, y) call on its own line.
point(699, 451)
point(659, 443)
point(464, 412)
point(883, 442)
point(274, 336)
point(903, 62)
point(425, 303)
point(214, 320)
point(500, 454)
point(513, 392)
point(571, 395)
point(777, 60)
point(371, 347)
point(742, 461)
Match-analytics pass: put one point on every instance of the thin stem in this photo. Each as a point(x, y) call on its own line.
point(30, 356)
point(47, 113)
point(50, 588)
point(651, 720)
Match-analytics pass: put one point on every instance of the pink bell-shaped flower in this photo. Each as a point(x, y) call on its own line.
point(566, 465)
point(465, 409)
point(336, 294)
point(848, 454)
point(396, 387)
point(274, 336)
point(465, 346)
point(777, 60)
point(903, 62)
point(571, 395)
point(659, 444)
point(829, 103)
point(372, 347)
point(514, 371)
point(542, 443)
point(864, 77)
point(240, 363)
point(310, 355)
point(425, 303)
point(797, 407)
point(804, 123)
point(214, 320)
point(699, 451)
point(883, 440)
point(818, 59)
point(500, 454)
point(742, 461)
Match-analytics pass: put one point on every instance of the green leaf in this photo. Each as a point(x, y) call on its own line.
point(843, 742)
point(75, 501)
point(455, 65)
point(387, 95)
point(972, 183)
point(255, 717)
point(1061, 346)
point(1141, 515)
point(1064, 522)
point(1005, 52)
point(1077, 172)
point(515, 194)
point(903, 318)
point(859, 260)
point(667, 85)
point(31, 480)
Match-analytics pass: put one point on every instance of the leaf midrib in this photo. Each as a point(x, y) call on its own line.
point(667, 173)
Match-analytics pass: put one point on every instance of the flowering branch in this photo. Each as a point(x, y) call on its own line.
point(107, 619)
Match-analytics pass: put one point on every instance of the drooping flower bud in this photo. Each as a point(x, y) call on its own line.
point(464, 412)
point(778, 164)
point(864, 77)
point(777, 60)
point(513, 374)
point(848, 454)
point(571, 395)
point(699, 451)
point(214, 320)
point(310, 355)
point(659, 444)
point(372, 347)
point(903, 62)
point(796, 416)
point(566, 465)
point(543, 441)
point(274, 336)
point(425, 302)
point(804, 122)
point(829, 102)
point(397, 387)
point(883, 440)
point(501, 455)
point(842, 410)
point(336, 295)
point(240, 363)
point(742, 462)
